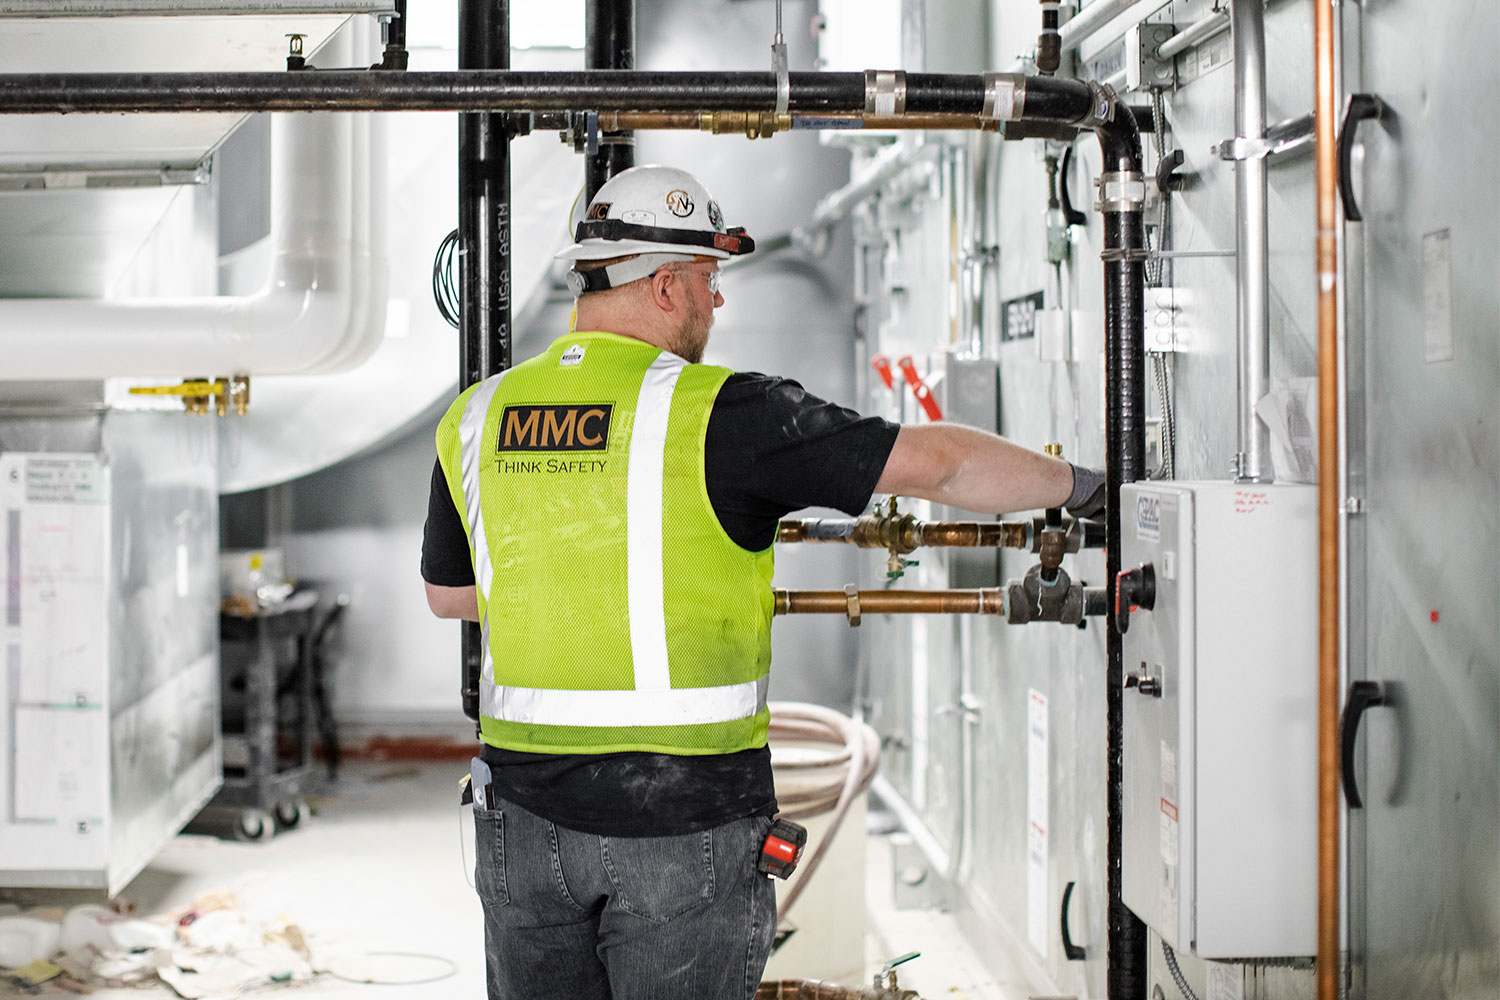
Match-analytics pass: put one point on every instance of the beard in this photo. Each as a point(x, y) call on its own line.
point(692, 336)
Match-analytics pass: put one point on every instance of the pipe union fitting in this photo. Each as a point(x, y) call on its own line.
point(1004, 96)
point(1102, 104)
point(885, 92)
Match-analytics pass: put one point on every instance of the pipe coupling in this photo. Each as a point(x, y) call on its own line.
point(751, 124)
point(1121, 191)
point(1102, 104)
point(1004, 96)
point(885, 92)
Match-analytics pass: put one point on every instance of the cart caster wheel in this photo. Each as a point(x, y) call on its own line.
point(289, 813)
point(255, 826)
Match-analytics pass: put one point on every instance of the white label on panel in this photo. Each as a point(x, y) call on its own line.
point(1226, 981)
point(1437, 296)
point(1148, 517)
point(1038, 926)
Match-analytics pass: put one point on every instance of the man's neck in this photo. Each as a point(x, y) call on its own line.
point(590, 322)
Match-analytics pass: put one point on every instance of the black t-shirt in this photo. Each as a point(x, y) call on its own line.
point(771, 448)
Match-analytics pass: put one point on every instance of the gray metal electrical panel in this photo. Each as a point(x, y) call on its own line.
point(1220, 657)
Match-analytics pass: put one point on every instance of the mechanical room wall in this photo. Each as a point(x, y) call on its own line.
point(979, 717)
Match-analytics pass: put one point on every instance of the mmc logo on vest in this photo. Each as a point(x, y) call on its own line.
point(560, 427)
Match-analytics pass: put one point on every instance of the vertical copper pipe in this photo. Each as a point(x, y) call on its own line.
point(1328, 969)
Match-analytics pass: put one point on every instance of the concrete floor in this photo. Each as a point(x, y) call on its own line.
point(375, 882)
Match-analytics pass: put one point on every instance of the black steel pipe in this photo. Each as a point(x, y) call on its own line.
point(484, 243)
point(609, 43)
point(468, 89)
point(1125, 412)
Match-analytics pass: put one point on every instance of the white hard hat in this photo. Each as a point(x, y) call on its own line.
point(661, 212)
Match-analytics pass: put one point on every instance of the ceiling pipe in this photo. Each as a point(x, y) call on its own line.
point(321, 310)
point(471, 90)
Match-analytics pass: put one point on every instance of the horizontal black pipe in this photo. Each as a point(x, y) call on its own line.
point(466, 90)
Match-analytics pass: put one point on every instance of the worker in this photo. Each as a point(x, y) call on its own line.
point(606, 511)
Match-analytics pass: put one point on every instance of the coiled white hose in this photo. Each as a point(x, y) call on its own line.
point(852, 768)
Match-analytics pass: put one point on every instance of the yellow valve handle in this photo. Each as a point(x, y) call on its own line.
point(195, 388)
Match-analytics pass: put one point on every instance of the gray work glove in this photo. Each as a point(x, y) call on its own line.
point(1089, 490)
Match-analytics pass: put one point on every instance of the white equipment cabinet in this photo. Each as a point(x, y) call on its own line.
point(1220, 794)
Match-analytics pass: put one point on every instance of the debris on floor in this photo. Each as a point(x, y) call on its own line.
point(210, 951)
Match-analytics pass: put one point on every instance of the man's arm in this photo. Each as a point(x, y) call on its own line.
point(973, 470)
point(453, 602)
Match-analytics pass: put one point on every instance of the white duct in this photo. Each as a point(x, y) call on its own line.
point(321, 310)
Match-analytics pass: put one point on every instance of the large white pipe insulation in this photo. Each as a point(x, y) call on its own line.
point(321, 309)
point(299, 424)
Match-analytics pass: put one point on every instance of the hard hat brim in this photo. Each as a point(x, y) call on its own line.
point(605, 249)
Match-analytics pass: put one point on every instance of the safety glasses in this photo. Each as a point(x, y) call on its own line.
point(712, 277)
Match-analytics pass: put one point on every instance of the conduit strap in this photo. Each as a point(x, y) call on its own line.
point(885, 92)
point(1124, 255)
point(1004, 96)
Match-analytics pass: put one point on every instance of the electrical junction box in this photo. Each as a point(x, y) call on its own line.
point(1220, 748)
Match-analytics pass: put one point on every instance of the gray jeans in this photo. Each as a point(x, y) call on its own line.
point(575, 916)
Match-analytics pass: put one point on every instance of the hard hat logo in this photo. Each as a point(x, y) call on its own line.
point(680, 203)
point(598, 210)
point(715, 217)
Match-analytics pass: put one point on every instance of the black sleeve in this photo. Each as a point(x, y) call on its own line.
point(445, 548)
point(773, 448)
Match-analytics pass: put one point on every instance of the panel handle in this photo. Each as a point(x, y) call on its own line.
point(1362, 107)
point(1071, 951)
point(1362, 695)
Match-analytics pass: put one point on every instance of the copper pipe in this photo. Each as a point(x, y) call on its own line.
point(988, 601)
point(1329, 695)
point(867, 533)
point(981, 534)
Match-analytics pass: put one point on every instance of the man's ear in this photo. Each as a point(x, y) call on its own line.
point(662, 290)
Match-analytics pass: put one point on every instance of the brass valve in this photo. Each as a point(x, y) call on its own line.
point(198, 394)
point(754, 124)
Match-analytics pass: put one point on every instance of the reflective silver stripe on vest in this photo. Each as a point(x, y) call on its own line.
point(643, 540)
point(681, 707)
point(471, 460)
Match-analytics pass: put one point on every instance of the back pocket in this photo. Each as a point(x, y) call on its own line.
point(658, 878)
point(489, 857)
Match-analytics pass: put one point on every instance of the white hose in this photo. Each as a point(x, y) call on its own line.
point(801, 723)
